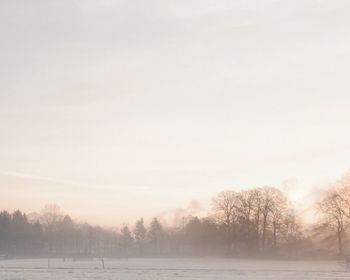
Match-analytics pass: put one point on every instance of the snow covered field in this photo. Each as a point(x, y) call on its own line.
point(152, 269)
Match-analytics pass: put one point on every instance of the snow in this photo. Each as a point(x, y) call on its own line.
point(147, 269)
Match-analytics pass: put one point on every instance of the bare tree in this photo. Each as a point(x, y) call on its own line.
point(343, 189)
point(224, 206)
point(257, 206)
point(50, 215)
point(291, 232)
point(333, 210)
point(267, 194)
point(278, 212)
point(245, 206)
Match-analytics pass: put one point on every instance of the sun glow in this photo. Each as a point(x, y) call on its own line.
point(298, 195)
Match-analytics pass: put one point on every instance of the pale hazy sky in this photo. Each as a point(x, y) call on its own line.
point(117, 109)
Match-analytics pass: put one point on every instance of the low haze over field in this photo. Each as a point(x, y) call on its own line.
point(117, 109)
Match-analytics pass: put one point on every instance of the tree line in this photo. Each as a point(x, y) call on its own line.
point(258, 222)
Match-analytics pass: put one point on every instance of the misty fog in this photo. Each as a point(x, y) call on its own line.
point(167, 139)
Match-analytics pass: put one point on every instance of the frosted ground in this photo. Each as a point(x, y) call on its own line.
point(132, 269)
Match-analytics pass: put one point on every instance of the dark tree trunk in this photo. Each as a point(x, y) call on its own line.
point(264, 232)
point(274, 235)
point(340, 243)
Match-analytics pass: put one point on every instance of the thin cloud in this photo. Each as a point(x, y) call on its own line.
point(63, 182)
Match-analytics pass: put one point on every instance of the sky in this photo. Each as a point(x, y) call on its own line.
point(121, 109)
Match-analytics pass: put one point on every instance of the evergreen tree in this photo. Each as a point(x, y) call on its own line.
point(140, 235)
